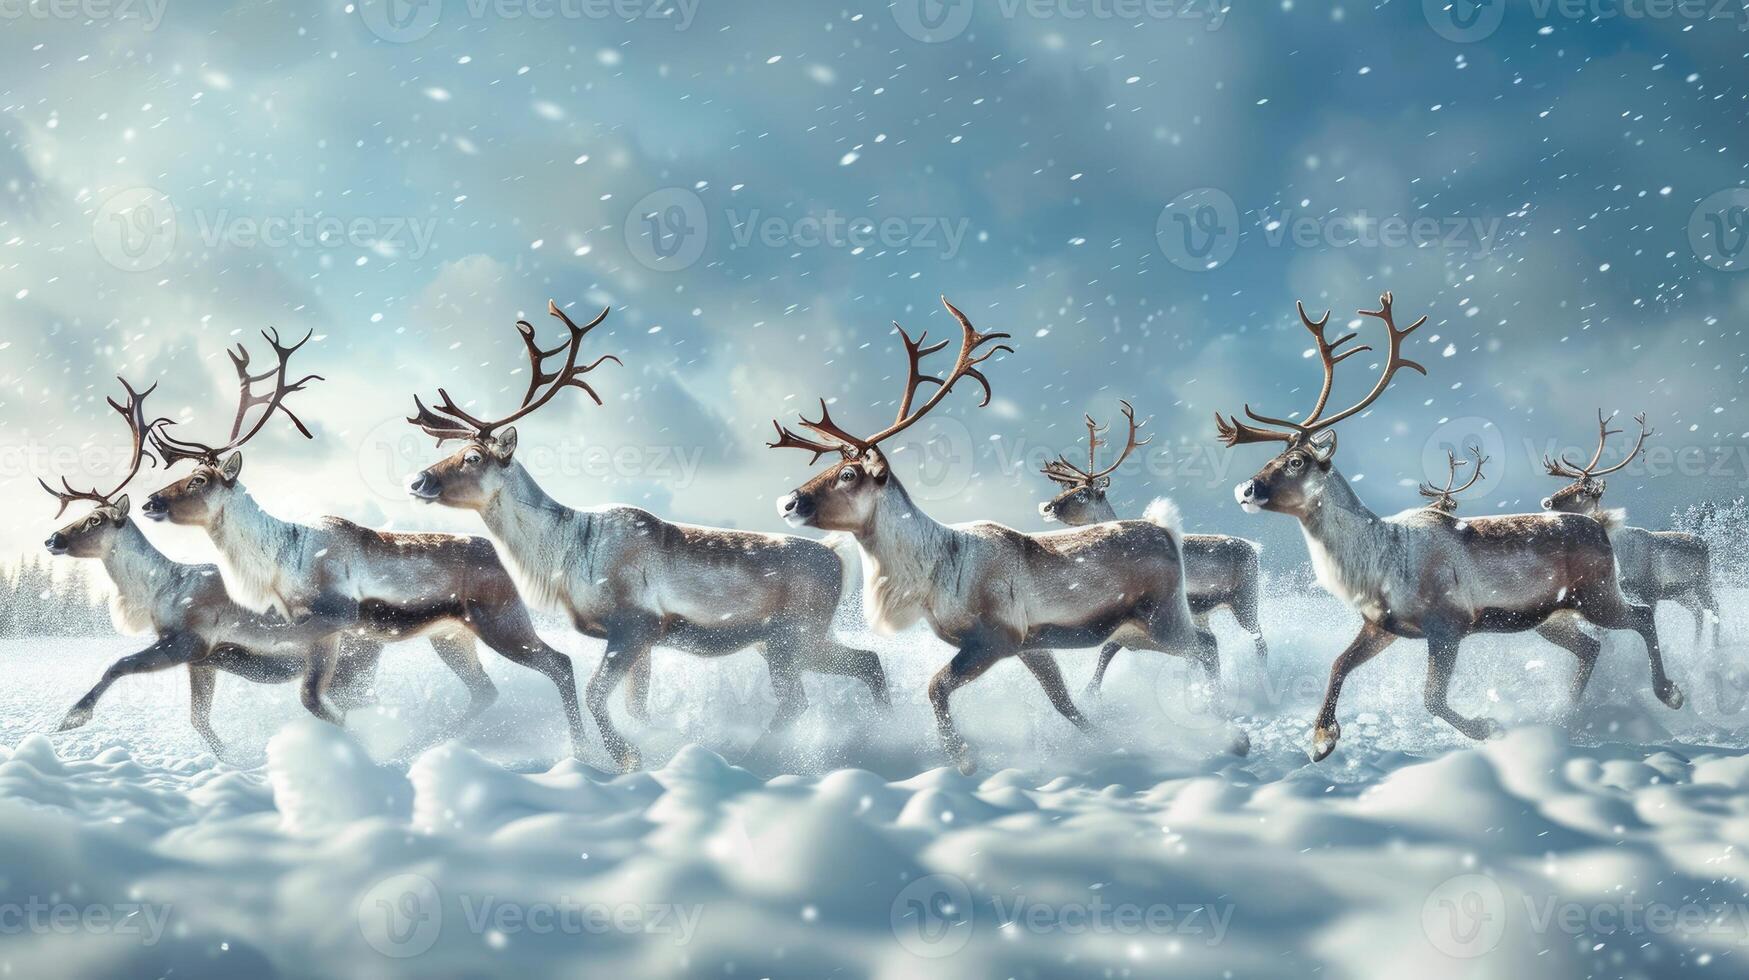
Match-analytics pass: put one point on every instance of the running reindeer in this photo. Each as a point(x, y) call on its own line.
point(624, 575)
point(1444, 499)
point(184, 606)
point(1424, 573)
point(338, 579)
point(986, 589)
point(1653, 565)
point(1218, 570)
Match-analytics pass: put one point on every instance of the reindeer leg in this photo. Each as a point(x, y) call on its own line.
point(1561, 630)
point(318, 669)
point(976, 655)
point(355, 671)
point(1106, 654)
point(1244, 608)
point(170, 650)
point(506, 628)
point(1610, 610)
point(638, 690)
point(200, 706)
point(1442, 650)
point(831, 657)
point(1044, 667)
point(1367, 644)
point(1690, 601)
point(625, 645)
point(462, 656)
point(786, 683)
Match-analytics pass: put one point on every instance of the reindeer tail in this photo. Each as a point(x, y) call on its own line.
point(1164, 513)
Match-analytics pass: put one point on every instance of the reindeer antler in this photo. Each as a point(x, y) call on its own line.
point(1068, 474)
point(965, 366)
point(1569, 470)
point(1269, 429)
point(449, 421)
point(134, 411)
point(174, 450)
point(1445, 498)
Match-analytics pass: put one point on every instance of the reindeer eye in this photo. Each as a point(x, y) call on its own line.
point(92, 522)
point(198, 481)
point(1295, 463)
point(472, 458)
point(847, 475)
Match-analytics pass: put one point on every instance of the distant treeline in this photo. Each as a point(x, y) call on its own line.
point(1726, 528)
point(35, 601)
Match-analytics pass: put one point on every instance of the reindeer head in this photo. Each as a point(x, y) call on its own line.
point(196, 498)
point(1082, 499)
point(474, 474)
point(843, 497)
point(1444, 499)
point(1585, 494)
point(91, 536)
point(1294, 480)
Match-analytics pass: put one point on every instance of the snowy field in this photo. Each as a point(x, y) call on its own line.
point(1602, 849)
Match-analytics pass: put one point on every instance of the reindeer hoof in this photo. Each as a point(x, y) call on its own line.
point(964, 759)
point(1241, 744)
point(1672, 696)
point(75, 719)
point(1324, 741)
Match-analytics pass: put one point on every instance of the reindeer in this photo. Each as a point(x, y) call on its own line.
point(339, 579)
point(1424, 573)
point(1653, 565)
point(988, 590)
point(1218, 570)
point(1444, 499)
point(185, 606)
point(624, 575)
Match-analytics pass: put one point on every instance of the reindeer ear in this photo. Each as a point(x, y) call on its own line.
point(503, 445)
point(231, 467)
point(121, 504)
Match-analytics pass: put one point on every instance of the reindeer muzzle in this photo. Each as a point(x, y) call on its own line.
point(796, 510)
point(425, 487)
point(155, 508)
point(56, 544)
point(1251, 496)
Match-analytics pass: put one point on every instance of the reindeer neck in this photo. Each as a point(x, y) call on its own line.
point(134, 566)
point(1348, 542)
point(903, 541)
point(520, 507)
point(1102, 512)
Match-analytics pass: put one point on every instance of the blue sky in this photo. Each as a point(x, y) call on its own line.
point(1561, 197)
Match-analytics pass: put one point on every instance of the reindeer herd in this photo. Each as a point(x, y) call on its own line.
point(317, 602)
